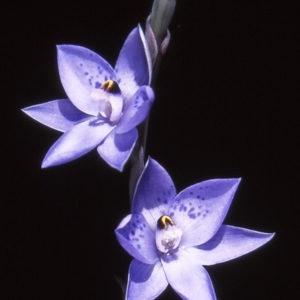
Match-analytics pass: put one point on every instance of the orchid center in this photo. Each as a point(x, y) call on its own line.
point(110, 101)
point(168, 236)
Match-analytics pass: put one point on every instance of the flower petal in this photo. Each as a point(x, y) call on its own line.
point(81, 71)
point(187, 277)
point(135, 236)
point(133, 67)
point(116, 148)
point(154, 193)
point(60, 114)
point(76, 142)
point(137, 109)
point(200, 209)
point(230, 242)
point(145, 281)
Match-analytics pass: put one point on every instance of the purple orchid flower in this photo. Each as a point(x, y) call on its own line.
point(172, 236)
point(105, 105)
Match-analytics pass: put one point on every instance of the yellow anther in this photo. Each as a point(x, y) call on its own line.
point(164, 221)
point(110, 86)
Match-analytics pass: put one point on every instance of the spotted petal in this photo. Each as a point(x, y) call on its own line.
point(116, 148)
point(155, 191)
point(200, 209)
point(188, 278)
point(76, 142)
point(145, 281)
point(133, 67)
point(136, 109)
point(228, 243)
point(82, 70)
point(60, 115)
point(137, 239)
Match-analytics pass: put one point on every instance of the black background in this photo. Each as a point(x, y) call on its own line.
point(226, 106)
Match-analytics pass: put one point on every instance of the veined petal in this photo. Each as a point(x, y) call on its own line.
point(188, 278)
point(154, 193)
point(81, 71)
point(145, 282)
point(200, 209)
point(135, 236)
point(228, 243)
point(133, 67)
point(76, 142)
point(116, 148)
point(60, 114)
point(136, 109)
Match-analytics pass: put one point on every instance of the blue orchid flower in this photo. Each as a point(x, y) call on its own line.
point(104, 105)
point(172, 236)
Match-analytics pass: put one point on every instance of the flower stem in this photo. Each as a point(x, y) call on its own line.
point(158, 38)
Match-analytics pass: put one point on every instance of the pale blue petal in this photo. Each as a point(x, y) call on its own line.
point(136, 110)
point(200, 209)
point(81, 72)
point(76, 142)
point(116, 148)
point(154, 194)
point(228, 243)
point(135, 236)
point(145, 282)
point(60, 114)
point(133, 67)
point(187, 277)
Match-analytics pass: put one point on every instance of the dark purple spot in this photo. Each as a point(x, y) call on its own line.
point(97, 85)
point(192, 216)
point(191, 210)
point(171, 214)
point(132, 232)
point(139, 246)
point(86, 73)
point(198, 197)
point(191, 193)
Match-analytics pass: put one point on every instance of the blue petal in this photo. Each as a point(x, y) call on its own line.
point(116, 148)
point(135, 236)
point(187, 277)
point(82, 71)
point(133, 67)
point(230, 242)
point(146, 281)
point(136, 109)
point(200, 209)
point(154, 193)
point(60, 115)
point(76, 142)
